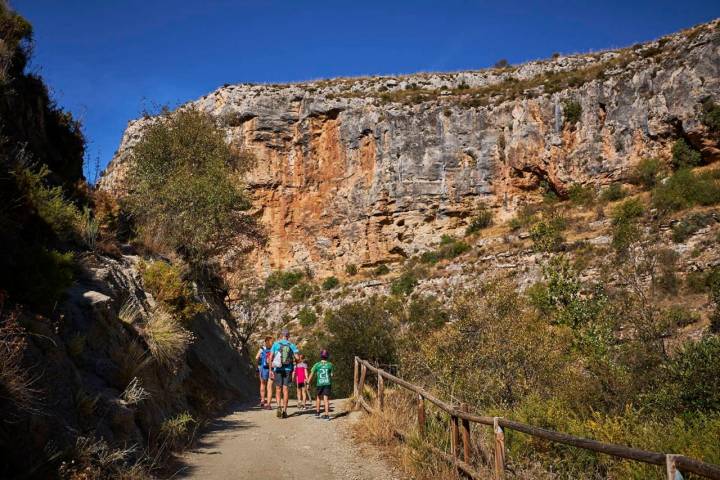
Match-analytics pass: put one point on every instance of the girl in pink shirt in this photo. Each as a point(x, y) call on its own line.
point(300, 374)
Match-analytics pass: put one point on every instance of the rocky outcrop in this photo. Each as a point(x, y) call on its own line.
point(94, 377)
point(372, 170)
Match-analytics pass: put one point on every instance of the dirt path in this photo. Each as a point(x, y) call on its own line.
point(252, 444)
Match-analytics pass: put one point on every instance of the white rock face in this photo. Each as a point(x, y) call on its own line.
point(372, 170)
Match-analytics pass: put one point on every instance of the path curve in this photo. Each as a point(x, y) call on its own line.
point(250, 443)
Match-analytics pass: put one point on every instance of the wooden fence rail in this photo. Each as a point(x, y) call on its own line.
point(460, 419)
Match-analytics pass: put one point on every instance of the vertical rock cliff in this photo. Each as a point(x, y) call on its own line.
point(372, 170)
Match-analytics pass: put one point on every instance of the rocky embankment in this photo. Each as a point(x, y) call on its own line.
point(373, 170)
point(95, 378)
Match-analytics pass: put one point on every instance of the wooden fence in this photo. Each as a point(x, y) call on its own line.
point(461, 418)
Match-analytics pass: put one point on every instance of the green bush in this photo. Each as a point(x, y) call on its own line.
point(307, 317)
point(404, 284)
point(166, 284)
point(365, 329)
point(680, 316)
point(646, 172)
point(351, 269)
point(184, 185)
point(381, 270)
point(283, 279)
point(711, 115)
point(624, 220)
point(330, 282)
point(547, 234)
point(61, 215)
point(523, 218)
point(302, 292)
point(613, 192)
point(581, 194)
point(42, 276)
point(688, 226)
point(684, 156)
point(482, 219)
point(450, 248)
point(572, 111)
point(685, 189)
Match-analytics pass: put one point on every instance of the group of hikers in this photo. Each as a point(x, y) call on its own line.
point(281, 364)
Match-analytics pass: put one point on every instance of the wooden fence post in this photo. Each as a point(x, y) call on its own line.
point(380, 391)
point(356, 375)
point(672, 471)
point(361, 383)
point(421, 415)
point(499, 449)
point(465, 430)
point(454, 440)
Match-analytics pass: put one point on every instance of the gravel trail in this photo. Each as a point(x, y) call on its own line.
point(251, 443)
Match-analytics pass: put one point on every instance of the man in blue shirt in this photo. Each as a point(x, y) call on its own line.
point(284, 354)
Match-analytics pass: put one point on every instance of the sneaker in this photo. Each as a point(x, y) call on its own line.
point(284, 415)
point(279, 412)
point(317, 414)
point(325, 417)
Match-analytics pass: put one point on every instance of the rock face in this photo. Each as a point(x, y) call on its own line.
point(372, 170)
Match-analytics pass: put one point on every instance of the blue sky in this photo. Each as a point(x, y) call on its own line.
point(107, 60)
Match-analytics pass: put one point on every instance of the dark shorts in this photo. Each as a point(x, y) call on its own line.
point(264, 373)
point(283, 378)
point(323, 391)
point(301, 385)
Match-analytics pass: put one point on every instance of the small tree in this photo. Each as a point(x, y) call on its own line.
point(684, 156)
point(184, 185)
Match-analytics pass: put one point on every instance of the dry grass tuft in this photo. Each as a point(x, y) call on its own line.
point(16, 383)
point(167, 339)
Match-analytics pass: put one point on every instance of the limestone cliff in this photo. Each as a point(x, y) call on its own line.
point(372, 170)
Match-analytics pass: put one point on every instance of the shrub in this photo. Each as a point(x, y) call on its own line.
point(307, 317)
point(330, 282)
point(283, 279)
point(450, 248)
point(502, 63)
point(59, 214)
point(177, 431)
point(572, 111)
point(42, 276)
point(381, 270)
point(17, 394)
point(646, 172)
point(692, 378)
point(613, 192)
point(680, 316)
point(166, 338)
point(404, 284)
point(482, 219)
point(688, 226)
point(581, 195)
point(685, 189)
point(302, 292)
point(363, 328)
point(684, 156)
point(547, 234)
point(351, 269)
point(164, 281)
point(624, 220)
point(711, 115)
point(523, 218)
point(184, 188)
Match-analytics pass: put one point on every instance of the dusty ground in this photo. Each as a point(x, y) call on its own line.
point(251, 443)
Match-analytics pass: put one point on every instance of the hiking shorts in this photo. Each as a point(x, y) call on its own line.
point(323, 391)
point(264, 373)
point(283, 378)
point(301, 385)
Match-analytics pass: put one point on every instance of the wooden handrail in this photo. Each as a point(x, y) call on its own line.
point(681, 462)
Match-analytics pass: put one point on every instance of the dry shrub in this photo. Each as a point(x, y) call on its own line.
point(167, 339)
point(16, 383)
point(93, 459)
point(131, 362)
point(177, 432)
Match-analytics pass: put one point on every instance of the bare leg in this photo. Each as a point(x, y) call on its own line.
point(269, 392)
point(299, 395)
point(263, 390)
point(317, 404)
point(326, 400)
point(286, 397)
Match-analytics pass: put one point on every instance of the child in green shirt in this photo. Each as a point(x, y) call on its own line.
point(324, 371)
